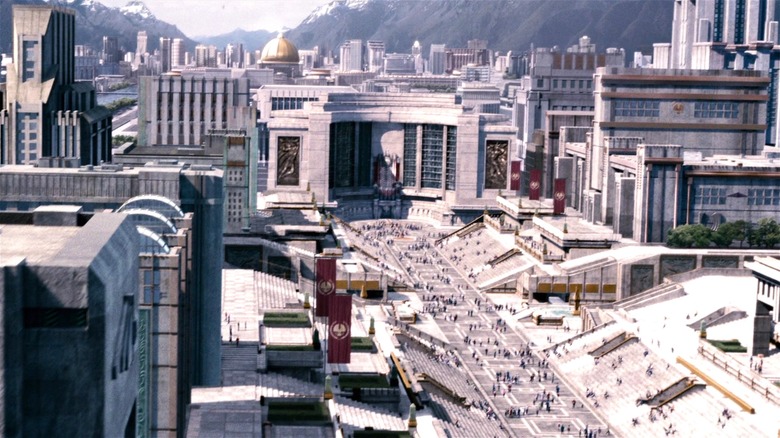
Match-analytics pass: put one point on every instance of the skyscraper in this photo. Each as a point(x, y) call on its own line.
point(165, 54)
point(177, 52)
point(140, 48)
point(46, 113)
point(110, 53)
point(437, 62)
point(351, 56)
point(726, 34)
point(376, 54)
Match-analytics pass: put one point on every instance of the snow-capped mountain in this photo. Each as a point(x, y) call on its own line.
point(335, 7)
point(95, 20)
point(505, 24)
point(136, 7)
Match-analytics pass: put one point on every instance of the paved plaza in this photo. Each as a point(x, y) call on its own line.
point(483, 349)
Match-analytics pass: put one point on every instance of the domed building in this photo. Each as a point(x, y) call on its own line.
point(281, 56)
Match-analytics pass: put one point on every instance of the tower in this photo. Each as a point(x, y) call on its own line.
point(376, 53)
point(351, 56)
point(177, 52)
point(165, 54)
point(46, 114)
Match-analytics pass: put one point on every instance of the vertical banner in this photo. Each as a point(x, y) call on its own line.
point(514, 176)
point(559, 196)
point(535, 186)
point(340, 328)
point(325, 284)
point(376, 171)
point(397, 170)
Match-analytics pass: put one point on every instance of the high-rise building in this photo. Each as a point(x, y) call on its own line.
point(46, 113)
point(140, 48)
point(419, 62)
point(376, 54)
point(166, 59)
point(437, 61)
point(177, 52)
point(351, 56)
point(730, 35)
point(701, 31)
point(110, 53)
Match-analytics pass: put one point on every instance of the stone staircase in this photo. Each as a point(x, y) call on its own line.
point(239, 364)
point(662, 292)
point(279, 385)
point(354, 415)
point(463, 422)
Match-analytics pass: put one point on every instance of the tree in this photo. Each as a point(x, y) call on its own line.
point(689, 236)
point(727, 233)
point(767, 234)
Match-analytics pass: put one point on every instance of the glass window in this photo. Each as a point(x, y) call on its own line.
point(432, 148)
point(635, 108)
point(410, 155)
point(716, 110)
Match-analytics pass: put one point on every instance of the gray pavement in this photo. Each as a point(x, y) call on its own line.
point(492, 346)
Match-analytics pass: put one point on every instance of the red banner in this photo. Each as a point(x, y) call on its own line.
point(514, 176)
point(325, 285)
point(340, 328)
point(535, 186)
point(559, 196)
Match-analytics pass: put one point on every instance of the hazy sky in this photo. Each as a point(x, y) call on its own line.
point(214, 17)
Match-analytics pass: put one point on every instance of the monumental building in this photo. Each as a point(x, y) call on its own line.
point(45, 112)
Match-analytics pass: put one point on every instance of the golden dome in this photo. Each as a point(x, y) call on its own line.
point(280, 50)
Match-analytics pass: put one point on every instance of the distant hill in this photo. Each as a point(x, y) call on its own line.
point(506, 24)
point(95, 20)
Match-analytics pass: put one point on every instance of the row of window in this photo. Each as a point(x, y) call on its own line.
point(586, 84)
point(716, 110)
point(717, 196)
point(636, 108)
point(651, 108)
point(573, 108)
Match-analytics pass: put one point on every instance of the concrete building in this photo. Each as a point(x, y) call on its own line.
point(399, 64)
point(194, 190)
point(46, 113)
point(166, 55)
point(110, 53)
point(376, 54)
point(351, 56)
point(180, 109)
point(671, 147)
point(70, 304)
point(391, 155)
point(730, 35)
point(553, 81)
point(437, 60)
point(205, 56)
point(457, 58)
point(177, 53)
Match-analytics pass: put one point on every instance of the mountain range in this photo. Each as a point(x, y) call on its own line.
point(506, 24)
point(95, 20)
